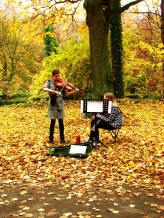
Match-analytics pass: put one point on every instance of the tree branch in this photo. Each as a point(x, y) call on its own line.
point(74, 1)
point(126, 7)
point(114, 13)
point(65, 1)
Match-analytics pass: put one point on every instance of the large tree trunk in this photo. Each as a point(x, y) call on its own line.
point(162, 37)
point(117, 50)
point(162, 20)
point(98, 35)
point(99, 15)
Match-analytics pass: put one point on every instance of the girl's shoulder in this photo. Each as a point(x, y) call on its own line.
point(49, 84)
point(116, 109)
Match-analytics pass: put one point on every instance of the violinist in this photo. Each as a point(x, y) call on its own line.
point(57, 88)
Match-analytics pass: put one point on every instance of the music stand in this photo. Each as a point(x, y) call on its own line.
point(96, 106)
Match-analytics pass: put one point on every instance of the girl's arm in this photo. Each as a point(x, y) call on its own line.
point(72, 92)
point(111, 117)
point(51, 91)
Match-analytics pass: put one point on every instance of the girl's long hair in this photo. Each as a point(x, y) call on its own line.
point(110, 97)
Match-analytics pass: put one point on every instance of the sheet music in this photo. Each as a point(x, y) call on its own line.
point(77, 149)
point(96, 106)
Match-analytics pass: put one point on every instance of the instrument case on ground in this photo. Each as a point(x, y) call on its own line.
point(81, 150)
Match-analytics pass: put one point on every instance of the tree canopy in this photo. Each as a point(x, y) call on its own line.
point(99, 15)
point(141, 53)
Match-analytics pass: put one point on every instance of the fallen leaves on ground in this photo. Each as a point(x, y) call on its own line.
point(136, 159)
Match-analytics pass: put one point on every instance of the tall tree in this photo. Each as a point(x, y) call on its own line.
point(143, 53)
point(99, 15)
point(19, 52)
point(116, 50)
point(10, 51)
point(162, 36)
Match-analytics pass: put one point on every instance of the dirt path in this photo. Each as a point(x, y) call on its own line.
point(59, 201)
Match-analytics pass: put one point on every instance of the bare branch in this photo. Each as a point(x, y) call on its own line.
point(74, 1)
point(115, 13)
point(65, 1)
point(126, 7)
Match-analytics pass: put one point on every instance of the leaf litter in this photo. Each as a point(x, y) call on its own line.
point(136, 160)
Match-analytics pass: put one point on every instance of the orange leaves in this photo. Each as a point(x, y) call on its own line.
point(138, 157)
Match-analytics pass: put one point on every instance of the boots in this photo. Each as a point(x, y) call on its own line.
point(52, 126)
point(50, 140)
point(61, 128)
point(92, 135)
point(62, 140)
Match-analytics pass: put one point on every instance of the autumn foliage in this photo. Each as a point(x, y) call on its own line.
point(136, 159)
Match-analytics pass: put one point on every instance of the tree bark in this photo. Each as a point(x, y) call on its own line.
point(98, 35)
point(162, 37)
point(99, 16)
point(117, 50)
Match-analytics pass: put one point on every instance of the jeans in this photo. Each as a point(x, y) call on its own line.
point(94, 133)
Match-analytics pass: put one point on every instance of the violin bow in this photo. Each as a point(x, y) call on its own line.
point(66, 82)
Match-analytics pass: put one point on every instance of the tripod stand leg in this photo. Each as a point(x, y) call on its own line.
point(102, 144)
point(97, 144)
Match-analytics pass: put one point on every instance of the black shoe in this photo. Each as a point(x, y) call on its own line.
point(62, 141)
point(50, 140)
point(96, 144)
point(90, 141)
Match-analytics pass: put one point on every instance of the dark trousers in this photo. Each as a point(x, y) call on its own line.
point(94, 133)
point(52, 127)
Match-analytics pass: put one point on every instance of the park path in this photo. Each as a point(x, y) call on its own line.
point(61, 201)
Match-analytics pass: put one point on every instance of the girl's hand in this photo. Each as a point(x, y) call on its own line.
point(58, 93)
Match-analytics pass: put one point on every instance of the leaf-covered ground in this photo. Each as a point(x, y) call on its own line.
point(136, 160)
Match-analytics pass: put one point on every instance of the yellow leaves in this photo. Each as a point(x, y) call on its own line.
point(131, 205)
point(50, 214)
point(132, 164)
point(25, 208)
point(23, 192)
point(137, 157)
point(67, 214)
point(41, 209)
point(112, 210)
point(4, 152)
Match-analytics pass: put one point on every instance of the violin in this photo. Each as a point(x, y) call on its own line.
point(62, 83)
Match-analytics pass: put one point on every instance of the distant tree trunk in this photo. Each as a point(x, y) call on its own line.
point(98, 34)
point(162, 20)
point(162, 37)
point(116, 50)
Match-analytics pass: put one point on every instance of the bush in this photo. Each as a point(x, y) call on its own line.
point(13, 101)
